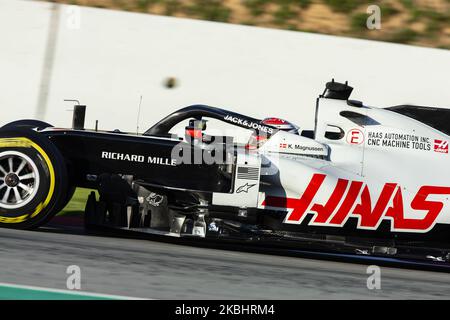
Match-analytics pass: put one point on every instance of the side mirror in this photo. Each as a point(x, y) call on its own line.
point(195, 129)
point(198, 124)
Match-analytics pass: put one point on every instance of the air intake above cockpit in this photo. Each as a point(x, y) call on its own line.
point(337, 90)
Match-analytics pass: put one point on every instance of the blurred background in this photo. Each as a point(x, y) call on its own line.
point(132, 62)
point(258, 57)
point(418, 22)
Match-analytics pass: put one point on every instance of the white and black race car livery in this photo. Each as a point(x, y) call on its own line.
point(365, 180)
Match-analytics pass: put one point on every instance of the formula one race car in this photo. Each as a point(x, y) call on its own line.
point(366, 180)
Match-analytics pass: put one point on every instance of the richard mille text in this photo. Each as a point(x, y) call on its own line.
point(138, 158)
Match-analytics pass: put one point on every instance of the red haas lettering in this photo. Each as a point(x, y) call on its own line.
point(370, 213)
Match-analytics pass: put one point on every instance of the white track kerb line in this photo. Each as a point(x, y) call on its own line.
point(67, 293)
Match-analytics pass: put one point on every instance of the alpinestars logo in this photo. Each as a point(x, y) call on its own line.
point(440, 146)
point(245, 188)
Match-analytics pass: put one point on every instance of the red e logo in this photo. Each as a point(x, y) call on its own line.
point(355, 136)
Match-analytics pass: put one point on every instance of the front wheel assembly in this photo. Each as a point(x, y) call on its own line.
point(33, 179)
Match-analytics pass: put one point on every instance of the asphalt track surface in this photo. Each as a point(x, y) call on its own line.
point(158, 270)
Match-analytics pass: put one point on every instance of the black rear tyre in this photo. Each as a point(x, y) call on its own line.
point(33, 179)
point(27, 124)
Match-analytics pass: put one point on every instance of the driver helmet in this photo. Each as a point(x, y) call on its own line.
point(281, 124)
point(256, 141)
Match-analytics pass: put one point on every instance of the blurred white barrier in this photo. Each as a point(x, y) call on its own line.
point(108, 59)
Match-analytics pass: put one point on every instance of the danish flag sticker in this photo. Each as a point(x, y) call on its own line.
point(440, 146)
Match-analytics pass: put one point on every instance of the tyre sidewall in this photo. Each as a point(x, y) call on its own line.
point(53, 188)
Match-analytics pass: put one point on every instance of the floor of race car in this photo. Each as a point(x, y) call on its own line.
point(159, 270)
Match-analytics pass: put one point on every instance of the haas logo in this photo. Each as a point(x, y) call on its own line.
point(352, 198)
point(440, 146)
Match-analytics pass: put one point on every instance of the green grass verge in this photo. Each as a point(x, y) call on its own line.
point(77, 204)
point(12, 292)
